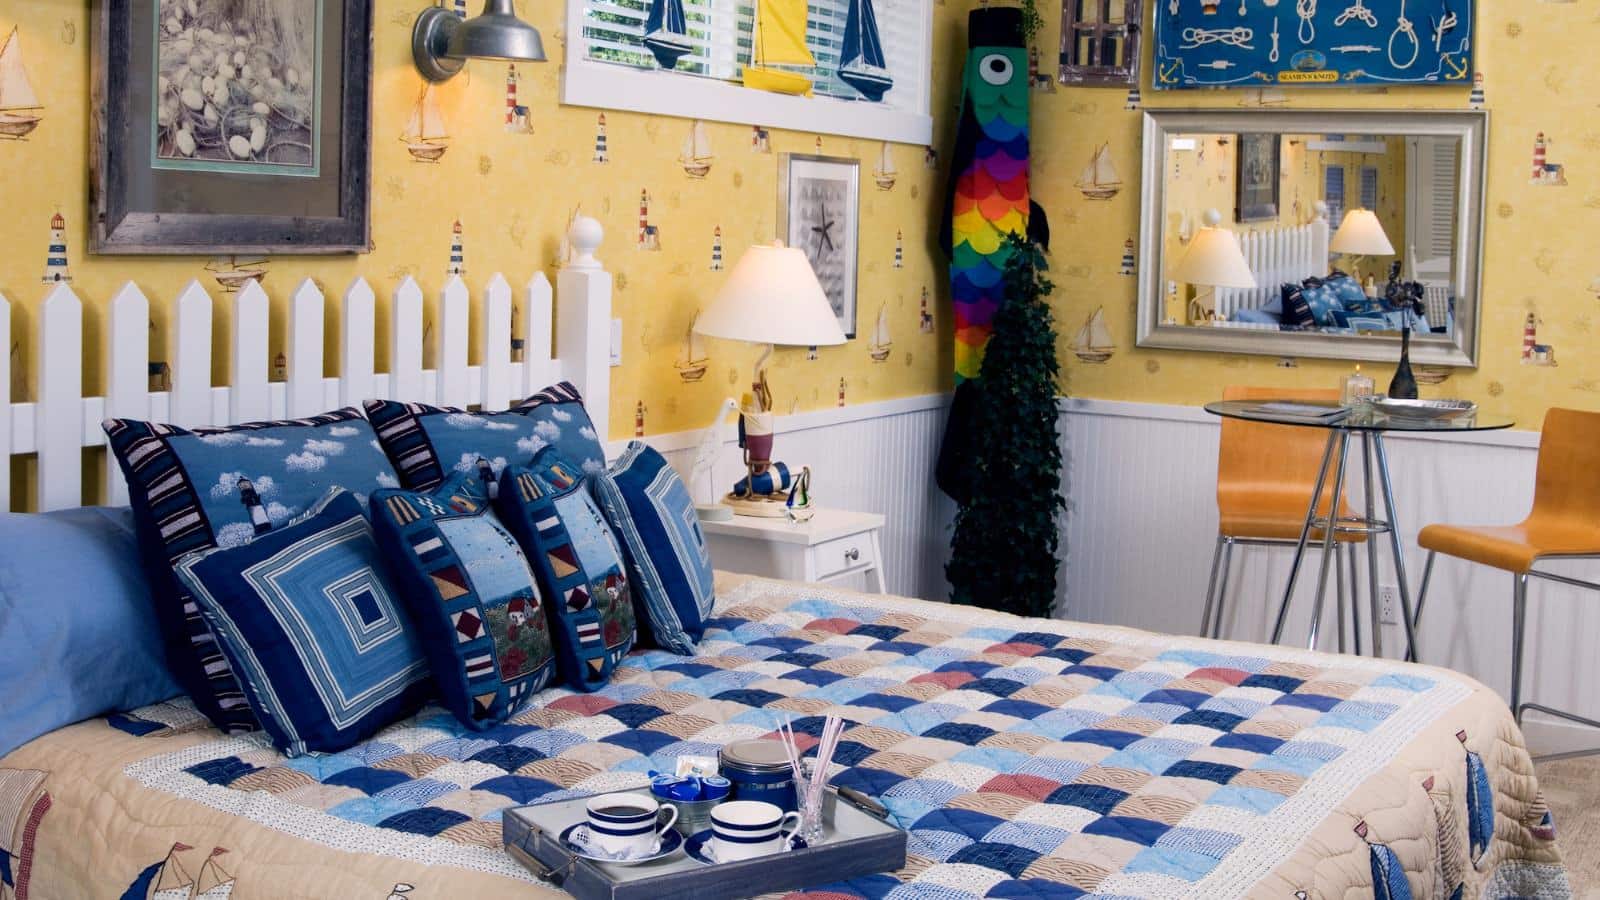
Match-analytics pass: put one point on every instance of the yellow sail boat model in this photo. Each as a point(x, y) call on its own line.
point(425, 135)
point(779, 39)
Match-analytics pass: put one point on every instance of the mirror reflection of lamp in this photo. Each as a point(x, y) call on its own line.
point(1361, 235)
point(1213, 261)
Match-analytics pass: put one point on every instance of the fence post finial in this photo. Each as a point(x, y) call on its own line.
point(584, 235)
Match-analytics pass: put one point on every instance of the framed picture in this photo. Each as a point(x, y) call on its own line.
point(231, 126)
point(818, 212)
point(1256, 197)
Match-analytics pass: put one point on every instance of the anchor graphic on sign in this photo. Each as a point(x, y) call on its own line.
point(1167, 73)
point(1456, 73)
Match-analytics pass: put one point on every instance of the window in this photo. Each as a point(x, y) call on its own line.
point(609, 66)
point(1100, 42)
point(1333, 194)
point(1369, 187)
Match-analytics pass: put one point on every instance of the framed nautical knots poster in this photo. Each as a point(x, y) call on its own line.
point(818, 212)
point(1306, 43)
point(231, 126)
point(1256, 187)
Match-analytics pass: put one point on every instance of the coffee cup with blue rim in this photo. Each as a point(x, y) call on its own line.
point(627, 825)
point(744, 829)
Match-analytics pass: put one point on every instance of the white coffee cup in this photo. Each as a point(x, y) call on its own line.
point(742, 829)
point(627, 825)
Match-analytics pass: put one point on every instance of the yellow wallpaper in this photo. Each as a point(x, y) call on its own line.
point(1538, 257)
point(514, 192)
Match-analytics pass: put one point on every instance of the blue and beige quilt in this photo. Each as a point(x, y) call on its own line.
point(1027, 759)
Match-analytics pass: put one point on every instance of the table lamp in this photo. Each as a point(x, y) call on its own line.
point(1361, 234)
point(771, 297)
point(1214, 260)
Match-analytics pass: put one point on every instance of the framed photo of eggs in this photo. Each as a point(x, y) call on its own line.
point(232, 126)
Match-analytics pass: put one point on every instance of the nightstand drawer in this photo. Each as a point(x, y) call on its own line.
point(843, 554)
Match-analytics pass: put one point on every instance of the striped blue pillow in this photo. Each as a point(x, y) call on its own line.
point(648, 506)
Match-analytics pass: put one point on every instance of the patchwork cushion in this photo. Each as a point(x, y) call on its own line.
point(218, 487)
point(308, 616)
point(1351, 295)
point(1321, 299)
point(428, 443)
point(471, 594)
point(668, 564)
point(579, 563)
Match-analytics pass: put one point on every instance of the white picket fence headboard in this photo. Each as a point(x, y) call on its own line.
point(61, 421)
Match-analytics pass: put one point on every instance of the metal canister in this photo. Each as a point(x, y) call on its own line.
point(759, 770)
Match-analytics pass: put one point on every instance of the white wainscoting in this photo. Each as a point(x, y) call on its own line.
point(869, 457)
point(1142, 519)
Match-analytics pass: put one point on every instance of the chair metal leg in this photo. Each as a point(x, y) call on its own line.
point(1211, 588)
point(1519, 615)
point(1334, 435)
point(1222, 588)
point(1355, 599)
point(1422, 592)
point(1372, 546)
point(1327, 538)
point(1339, 598)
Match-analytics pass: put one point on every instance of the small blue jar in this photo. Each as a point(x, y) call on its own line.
point(759, 770)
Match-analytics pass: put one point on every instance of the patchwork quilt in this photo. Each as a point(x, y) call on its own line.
point(1027, 758)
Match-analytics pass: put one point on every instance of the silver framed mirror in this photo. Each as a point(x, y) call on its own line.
point(1317, 270)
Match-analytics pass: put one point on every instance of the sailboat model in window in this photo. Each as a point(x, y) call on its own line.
point(1100, 180)
point(19, 106)
point(696, 157)
point(861, 63)
point(424, 135)
point(1093, 342)
point(779, 38)
point(666, 32)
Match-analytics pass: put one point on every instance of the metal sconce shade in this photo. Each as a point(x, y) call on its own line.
point(441, 43)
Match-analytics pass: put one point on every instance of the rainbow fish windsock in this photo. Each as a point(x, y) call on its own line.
point(987, 194)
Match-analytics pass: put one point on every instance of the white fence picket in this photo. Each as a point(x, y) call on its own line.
point(58, 425)
point(496, 355)
point(405, 342)
point(249, 399)
point(127, 373)
point(5, 418)
point(453, 303)
point(191, 358)
point(304, 388)
point(356, 344)
point(537, 361)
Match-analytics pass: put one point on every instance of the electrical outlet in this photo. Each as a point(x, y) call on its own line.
point(1388, 604)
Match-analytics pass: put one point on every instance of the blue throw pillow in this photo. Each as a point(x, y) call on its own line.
point(1296, 310)
point(308, 616)
point(579, 563)
point(428, 443)
point(668, 563)
point(472, 595)
point(1352, 297)
point(1322, 301)
point(192, 490)
point(77, 635)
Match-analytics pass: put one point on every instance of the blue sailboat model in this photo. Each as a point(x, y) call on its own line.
point(665, 32)
point(861, 60)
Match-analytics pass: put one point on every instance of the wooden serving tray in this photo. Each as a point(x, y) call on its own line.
point(854, 843)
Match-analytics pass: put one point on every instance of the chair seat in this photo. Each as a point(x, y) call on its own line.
point(1273, 513)
point(1514, 548)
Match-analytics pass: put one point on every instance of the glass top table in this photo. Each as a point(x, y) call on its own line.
point(1369, 425)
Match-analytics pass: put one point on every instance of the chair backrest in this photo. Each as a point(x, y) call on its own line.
point(1283, 456)
point(1567, 485)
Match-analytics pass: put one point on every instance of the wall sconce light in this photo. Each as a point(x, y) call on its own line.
point(441, 42)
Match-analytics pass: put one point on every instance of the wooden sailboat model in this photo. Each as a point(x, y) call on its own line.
point(691, 365)
point(882, 343)
point(19, 106)
point(861, 62)
point(425, 136)
point(884, 173)
point(233, 275)
point(779, 39)
point(1100, 180)
point(1093, 341)
point(666, 32)
point(696, 156)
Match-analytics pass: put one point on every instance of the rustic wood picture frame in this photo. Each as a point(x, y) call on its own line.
point(1256, 192)
point(1094, 71)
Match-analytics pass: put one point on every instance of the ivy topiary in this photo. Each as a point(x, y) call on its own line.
point(1003, 552)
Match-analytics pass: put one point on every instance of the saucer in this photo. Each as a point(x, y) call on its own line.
point(699, 849)
point(573, 841)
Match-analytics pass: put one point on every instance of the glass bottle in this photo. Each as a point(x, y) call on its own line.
point(1404, 385)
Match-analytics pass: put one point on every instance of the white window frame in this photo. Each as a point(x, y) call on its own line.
point(601, 85)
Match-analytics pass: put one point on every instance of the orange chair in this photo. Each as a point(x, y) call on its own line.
point(1564, 524)
point(1265, 476)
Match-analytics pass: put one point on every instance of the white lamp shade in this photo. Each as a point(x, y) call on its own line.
point(1214, 260)
point(1361, 234)
point(772, 297)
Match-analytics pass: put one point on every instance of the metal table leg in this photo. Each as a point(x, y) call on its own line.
point(1305, 534)
point(1412, 650)
point(1355, 598)
point(1372, 546)
point(1328, 534)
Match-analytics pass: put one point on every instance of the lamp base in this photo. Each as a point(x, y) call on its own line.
point(764, 506)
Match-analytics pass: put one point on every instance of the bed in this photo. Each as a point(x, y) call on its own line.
point(1027, 758)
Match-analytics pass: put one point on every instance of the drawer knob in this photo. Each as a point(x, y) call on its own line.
point(852, 554)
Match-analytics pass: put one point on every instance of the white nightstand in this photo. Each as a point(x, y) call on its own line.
point(834, 544)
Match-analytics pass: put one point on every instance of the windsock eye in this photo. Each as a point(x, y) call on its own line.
point(995, 68)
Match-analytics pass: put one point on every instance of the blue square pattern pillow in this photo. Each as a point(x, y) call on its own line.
point(1351, 295)
point(668, 563)
point(428, 443)
point(1321, 299)
point(579, 563)
point(308, 616)
point(473, 598)
point(219, 487)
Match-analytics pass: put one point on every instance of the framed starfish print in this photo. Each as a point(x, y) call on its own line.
point(819, 212)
